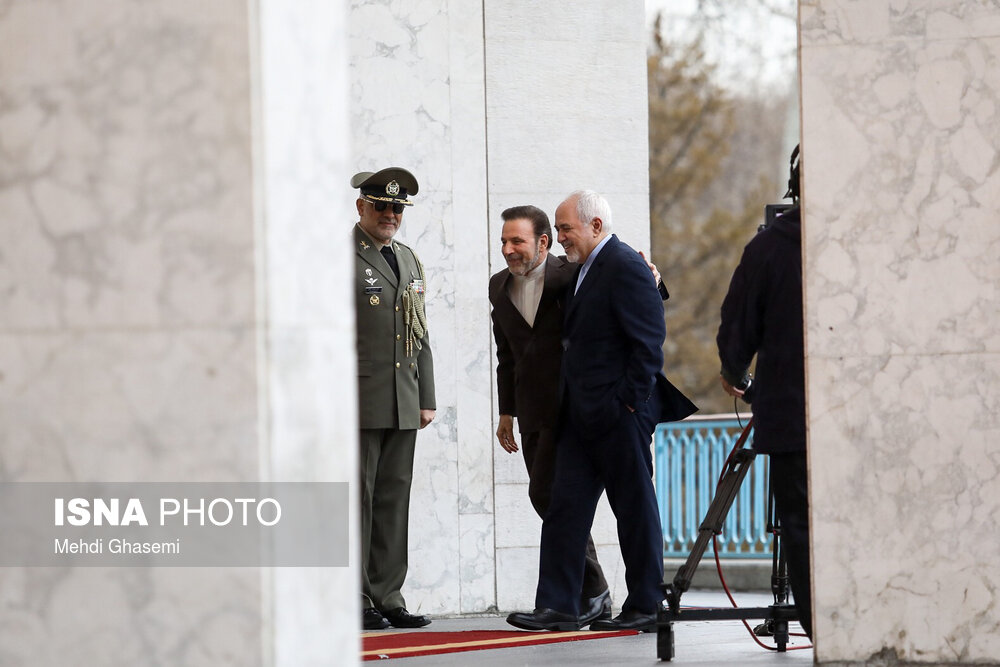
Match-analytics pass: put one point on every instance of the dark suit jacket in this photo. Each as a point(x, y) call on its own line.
point(762, 315)
point(529, 358)
point(612, 346)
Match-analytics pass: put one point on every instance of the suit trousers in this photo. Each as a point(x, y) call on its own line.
point(386, 472)
point(618, 461)
point(791, 503)
point(539, 448)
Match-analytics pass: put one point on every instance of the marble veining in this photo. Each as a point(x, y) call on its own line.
point(901, 191)
point(844, 21)
point(159, 320)
point(908, 143)
point(110, 229)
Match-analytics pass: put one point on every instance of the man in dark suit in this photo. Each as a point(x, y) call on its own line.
point(395, 389)
point(612, 395)
point(527, 300)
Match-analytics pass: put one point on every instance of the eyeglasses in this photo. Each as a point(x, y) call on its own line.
point(381, 206)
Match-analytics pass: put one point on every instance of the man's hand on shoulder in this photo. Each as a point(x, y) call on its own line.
point(651, 267)
point(657, 278)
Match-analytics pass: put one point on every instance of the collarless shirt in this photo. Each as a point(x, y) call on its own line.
point(525, 291)
point(590, 261)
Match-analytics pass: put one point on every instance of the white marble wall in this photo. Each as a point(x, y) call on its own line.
point(305, 324)
point(567, 110)
point(555, 81)
point(168, 306)
point(902, 257)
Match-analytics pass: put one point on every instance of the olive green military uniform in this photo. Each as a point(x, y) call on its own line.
point(395, 382)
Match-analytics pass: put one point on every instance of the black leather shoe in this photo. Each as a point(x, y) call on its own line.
point(544, 619)
point(627, 620)
point(595, 608)
point(400, 618)
point(372, 619)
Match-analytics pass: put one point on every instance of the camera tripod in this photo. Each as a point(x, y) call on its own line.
point(777, 615)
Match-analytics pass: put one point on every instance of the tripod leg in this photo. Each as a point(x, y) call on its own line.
point(737, 467)
point(665, 641)
point(777, 628)
point(782, 586)
point(781, 635)
point(779, 564)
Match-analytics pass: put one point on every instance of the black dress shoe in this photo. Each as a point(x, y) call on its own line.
point(595, 608)
point(628, 620)
point(400, 618)
point(372, 619)
point(544, 619)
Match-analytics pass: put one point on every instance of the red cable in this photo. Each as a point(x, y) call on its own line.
point(718, 563)
point(725, 587)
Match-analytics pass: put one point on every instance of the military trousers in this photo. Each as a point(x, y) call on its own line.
point(386, 458)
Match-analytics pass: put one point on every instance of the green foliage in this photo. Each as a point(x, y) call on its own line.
point(712, 165)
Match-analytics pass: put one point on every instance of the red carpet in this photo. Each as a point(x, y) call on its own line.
point(385, 645)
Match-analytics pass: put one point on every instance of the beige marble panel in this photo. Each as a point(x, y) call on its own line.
point(901, 190)
point(305, 309)
point(133, 616)
point(846, 21)
point(125, 165)
point(168, 307)
point(118, 406)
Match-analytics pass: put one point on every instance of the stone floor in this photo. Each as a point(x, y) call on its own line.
point(716, 643)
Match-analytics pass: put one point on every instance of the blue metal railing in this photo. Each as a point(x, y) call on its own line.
point(689, 456)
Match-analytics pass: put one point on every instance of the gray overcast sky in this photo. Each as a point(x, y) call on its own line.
point(744, 30)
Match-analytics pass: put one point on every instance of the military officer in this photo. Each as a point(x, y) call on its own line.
point(395, 388)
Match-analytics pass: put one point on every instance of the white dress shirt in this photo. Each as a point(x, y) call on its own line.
point(525, 292)
point(590, 261)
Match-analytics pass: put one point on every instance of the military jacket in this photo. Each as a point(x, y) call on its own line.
point(394, 383)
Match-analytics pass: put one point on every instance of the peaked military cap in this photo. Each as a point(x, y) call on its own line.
point(392, 184)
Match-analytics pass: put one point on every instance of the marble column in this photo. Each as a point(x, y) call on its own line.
point(306, 394)
point(174, 306)
point(902, 289)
